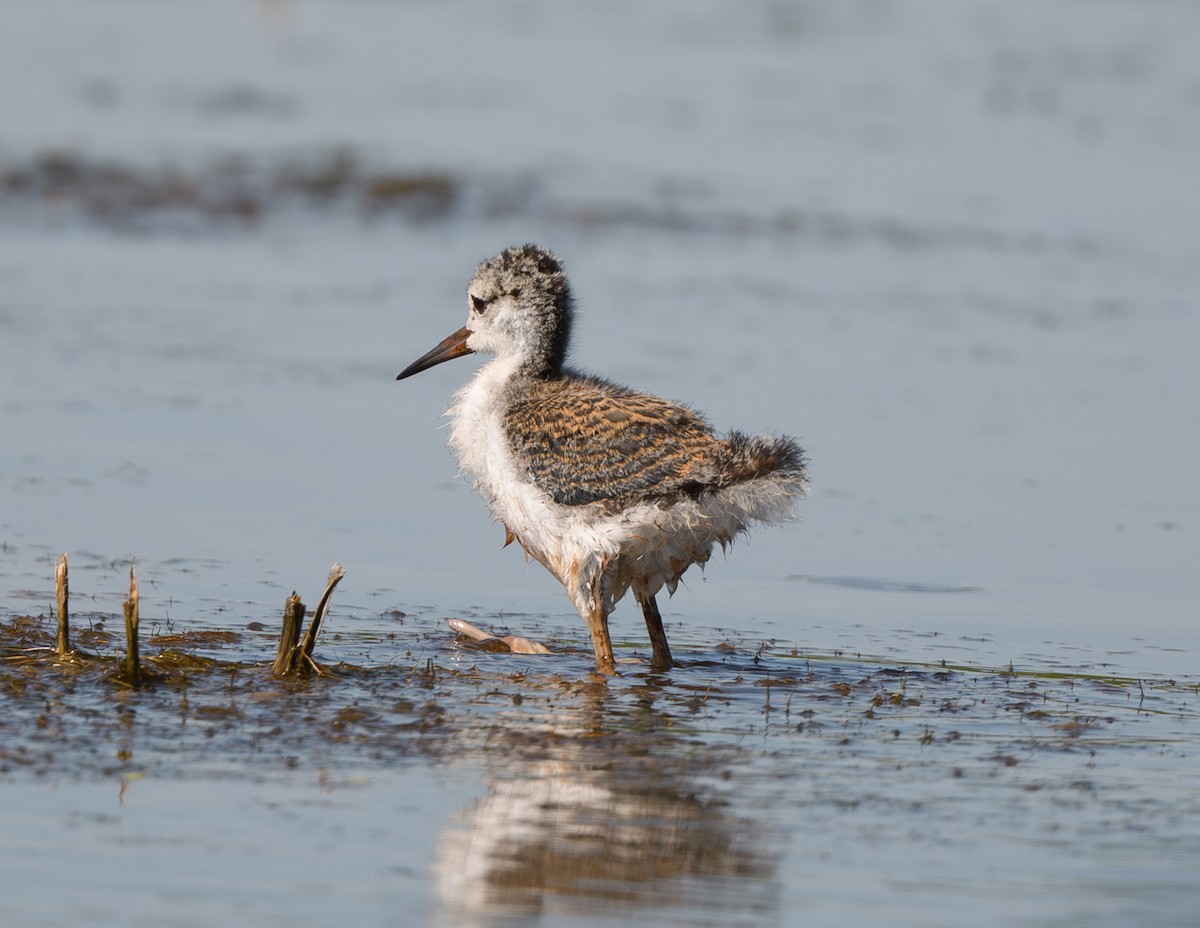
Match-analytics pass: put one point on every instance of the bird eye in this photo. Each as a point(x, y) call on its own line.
point(479, 304)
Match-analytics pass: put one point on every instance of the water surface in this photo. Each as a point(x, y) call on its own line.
point(950, 246)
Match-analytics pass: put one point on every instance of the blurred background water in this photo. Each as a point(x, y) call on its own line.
point(951, 246)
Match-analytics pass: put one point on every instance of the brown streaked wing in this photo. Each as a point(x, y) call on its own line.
point(585, 441)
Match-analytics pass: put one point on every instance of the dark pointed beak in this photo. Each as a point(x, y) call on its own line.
point(453, 347)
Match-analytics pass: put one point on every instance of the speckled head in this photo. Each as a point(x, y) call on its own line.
point(519, 307)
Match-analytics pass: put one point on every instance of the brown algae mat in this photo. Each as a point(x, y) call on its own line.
point(211, 698)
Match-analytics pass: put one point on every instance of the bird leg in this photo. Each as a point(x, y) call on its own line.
point(597, 620)
point(661, 658)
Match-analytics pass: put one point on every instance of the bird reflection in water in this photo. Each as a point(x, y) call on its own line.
point(599, 815)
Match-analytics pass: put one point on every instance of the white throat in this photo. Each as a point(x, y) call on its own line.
point(477, 428)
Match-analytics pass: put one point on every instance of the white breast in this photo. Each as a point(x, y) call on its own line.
point(477, 437)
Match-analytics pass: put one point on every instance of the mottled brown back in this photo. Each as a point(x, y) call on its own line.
point(584, 440)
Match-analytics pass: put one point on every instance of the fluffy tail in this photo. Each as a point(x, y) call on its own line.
point(745, 459)
point(760, 478)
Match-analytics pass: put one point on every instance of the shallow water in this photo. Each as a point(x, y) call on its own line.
point(455, 786)
point(950, 246)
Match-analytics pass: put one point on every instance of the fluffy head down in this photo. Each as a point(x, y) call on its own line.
point(520, 306)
